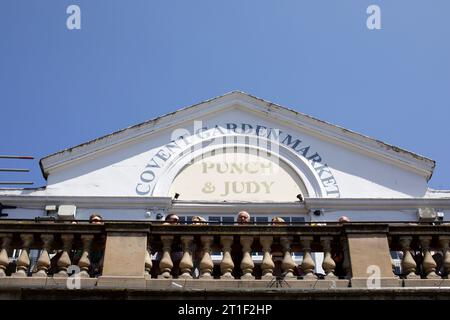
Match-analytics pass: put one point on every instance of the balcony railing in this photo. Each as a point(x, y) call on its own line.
point(151, 256)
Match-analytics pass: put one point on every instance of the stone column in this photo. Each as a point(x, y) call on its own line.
point(370, 256)
point(288, 265)
point(328, 264)
point(444, 241)
point(226, 265)
point(43, 263)
point(186, 264)
point(308, 264)
point(64, 261)
point(4, 259)
point(247, 264)
point(23, 263)
point(267, 264)
point(206, 264)
point(408, 264)
point(85, 261)
point(429, 265)
point(124, 256)
point(166, 264)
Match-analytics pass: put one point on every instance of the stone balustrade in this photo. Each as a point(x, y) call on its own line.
point(152, 256)
point(424, 253)
point(47, 250)
point(278, 254)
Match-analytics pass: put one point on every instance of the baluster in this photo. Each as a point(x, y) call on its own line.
point(429, 265)
point(346, 263)
point(226, 265)
point(445, 241)
point(166, 264)
point(247, 264)
point(64, 261)
point(43, 263)
point(288, 265)
point(186, 263)
point(206, 264)
point(308, 264)
point(267, 264)
point(23, 263)
point(409, 265)
point(148, 262)
point(328, 264)
point(4, 259)
point(85, 260)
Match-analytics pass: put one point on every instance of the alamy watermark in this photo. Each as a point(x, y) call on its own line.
point(73, 21)
point(374, 20)
point(374, 280)
point(74, 280)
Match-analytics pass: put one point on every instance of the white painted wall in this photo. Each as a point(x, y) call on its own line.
point(117, 171)
point(140, 214)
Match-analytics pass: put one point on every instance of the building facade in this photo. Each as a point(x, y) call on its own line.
point(232, 153)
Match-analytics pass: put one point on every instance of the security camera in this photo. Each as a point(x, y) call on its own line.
point(155, 215)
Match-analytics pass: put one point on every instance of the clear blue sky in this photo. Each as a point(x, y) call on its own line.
point(135, 60)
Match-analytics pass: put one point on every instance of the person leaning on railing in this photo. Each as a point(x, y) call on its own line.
point(338, 256)
point(172, 219)
point(278, 220)
point(243, 217)
point(198, 220)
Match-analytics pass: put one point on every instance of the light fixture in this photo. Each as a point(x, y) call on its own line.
point(300, 197)
point(176, 196)
point(317, 212)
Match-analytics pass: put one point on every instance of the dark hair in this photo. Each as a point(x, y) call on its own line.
point(170, 216)
point(95, 215)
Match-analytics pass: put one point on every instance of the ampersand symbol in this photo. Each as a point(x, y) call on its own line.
point(208, 188)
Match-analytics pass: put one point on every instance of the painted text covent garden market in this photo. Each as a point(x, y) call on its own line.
point(212, 160)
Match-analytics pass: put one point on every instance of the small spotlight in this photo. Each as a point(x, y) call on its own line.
point(159, 216)
point(176, 196)
point(300, 197)
point(317, 212)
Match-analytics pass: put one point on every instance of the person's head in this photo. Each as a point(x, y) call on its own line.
point(277, 220)
point(243, 217)
point(95, 218)
point(198, 220)
point(344, 219)
point(172, 218)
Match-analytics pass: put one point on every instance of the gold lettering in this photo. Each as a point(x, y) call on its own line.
point(249, 169)
point(267, 185)
point(207, 165)
point(249, 185)
point(237, 167)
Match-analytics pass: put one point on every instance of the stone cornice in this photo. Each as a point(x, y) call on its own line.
point(177, 206)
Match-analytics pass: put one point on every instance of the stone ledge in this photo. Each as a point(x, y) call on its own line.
point(214, 285)
point(435, 283)
point(111, 282)
point(228, 294)
point(181, 284)
point(370, 283)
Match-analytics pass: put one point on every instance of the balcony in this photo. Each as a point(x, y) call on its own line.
point(124, 260)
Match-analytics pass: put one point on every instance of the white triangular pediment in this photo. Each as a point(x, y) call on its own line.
point(313, 157)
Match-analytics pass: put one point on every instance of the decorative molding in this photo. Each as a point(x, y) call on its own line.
point(180, 206)
point(88, 201)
